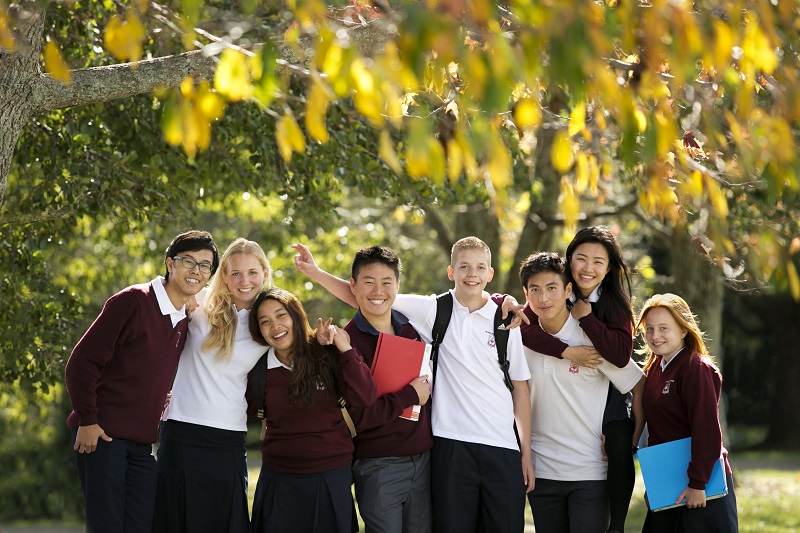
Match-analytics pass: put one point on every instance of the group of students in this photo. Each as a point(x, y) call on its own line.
point(562, 429)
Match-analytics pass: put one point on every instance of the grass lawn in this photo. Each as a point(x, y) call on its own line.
point(767, 494)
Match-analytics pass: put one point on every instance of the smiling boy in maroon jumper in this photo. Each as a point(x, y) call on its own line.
point(392, 459)
point(118, 377)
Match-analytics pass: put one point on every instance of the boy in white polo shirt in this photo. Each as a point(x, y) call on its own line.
point(567, 410)
point(480, 474)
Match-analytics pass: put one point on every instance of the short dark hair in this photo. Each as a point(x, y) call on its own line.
point(542, 262)
point(376, 254)
point(191, 241)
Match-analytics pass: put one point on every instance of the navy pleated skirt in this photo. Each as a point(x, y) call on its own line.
point(303, 503)
point(202, 480)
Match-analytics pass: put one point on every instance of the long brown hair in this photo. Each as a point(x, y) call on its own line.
point(679, 309)
point(314, 366)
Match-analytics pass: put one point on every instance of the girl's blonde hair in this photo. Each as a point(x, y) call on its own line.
point(219, 303)
point(679, 309)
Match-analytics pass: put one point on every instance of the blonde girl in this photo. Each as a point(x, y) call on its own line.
point(202, 482)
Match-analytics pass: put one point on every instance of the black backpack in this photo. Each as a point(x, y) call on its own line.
point(444, 309)
point(258, 379)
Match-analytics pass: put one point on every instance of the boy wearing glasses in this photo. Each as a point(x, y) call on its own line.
point(118, 376)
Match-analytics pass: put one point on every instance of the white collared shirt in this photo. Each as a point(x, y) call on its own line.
point(472, 402)
point(568, 402)
point(165, 304)
point(592, 297)
point(273, 361)
point(209, 392)
point(665, 363)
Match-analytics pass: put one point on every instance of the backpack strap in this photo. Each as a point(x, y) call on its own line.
point(347, 419)
point(501, 339)
point(444, 309)
point(258, 378)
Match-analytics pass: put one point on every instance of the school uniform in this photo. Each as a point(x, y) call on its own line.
point(304, 484)
point(392, 457)
point(202, 460)
point(614, 340)
point(567, 406)
point(118, 376)
point(681, 400)
point(477, 470)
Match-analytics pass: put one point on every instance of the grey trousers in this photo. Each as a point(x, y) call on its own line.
point(394, 493)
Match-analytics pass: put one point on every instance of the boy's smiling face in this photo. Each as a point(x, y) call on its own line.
point(471, 272)
point(547, 295)
point(375, 289)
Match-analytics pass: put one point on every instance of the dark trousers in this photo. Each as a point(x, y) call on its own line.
point(569, 506)
point(621, 472)
point(476, 488)
point(119, 486)
point(394, 493)
point(718, 516)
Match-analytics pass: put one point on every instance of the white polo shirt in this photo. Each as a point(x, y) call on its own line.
point(471, 402)
point(208, 392)
point(567, 404)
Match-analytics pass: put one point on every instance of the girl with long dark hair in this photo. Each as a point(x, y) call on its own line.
point(304, 484)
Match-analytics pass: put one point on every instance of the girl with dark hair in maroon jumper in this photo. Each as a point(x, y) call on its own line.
point(304, 484)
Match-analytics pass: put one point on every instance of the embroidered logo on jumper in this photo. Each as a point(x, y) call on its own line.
point(665, 390)
point(318, 382)
point(491, 342)
point(179, 340)
point(574, 369)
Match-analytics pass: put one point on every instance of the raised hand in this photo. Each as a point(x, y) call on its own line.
point(341, 339)
point(304, 261)
point(325, 332)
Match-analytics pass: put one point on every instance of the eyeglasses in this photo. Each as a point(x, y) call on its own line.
point(189, 264)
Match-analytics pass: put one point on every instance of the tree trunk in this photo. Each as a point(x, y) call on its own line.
point(702, 286)
point(782, 316)
point(18, 71)
point(538, 233)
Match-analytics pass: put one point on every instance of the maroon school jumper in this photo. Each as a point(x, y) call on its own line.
point(682, 402)
point(304, 439)
point(381, 431)
point(120, 371)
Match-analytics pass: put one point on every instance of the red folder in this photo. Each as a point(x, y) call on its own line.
point(397, 362)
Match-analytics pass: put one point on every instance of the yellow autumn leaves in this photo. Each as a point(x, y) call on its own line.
point(187, 121)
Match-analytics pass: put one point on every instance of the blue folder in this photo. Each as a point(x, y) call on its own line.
point(664, 471)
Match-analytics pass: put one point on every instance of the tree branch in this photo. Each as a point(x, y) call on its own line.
point(101, 84)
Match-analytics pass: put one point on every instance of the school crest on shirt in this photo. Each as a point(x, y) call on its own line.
point(574, 369)
point(665, 390)
point(491, 343)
